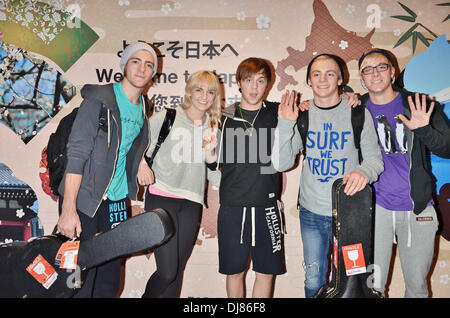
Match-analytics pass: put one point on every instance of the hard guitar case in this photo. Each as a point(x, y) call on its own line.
point(136, 234)
point(353, 222)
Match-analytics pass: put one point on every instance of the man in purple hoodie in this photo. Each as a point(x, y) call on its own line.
point(408, 127)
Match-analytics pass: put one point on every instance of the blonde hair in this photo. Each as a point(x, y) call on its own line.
point(326, 56)
point(371, 57)
point(211, 80)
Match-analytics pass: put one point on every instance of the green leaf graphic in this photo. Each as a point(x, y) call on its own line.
point(406, 36)
point(414, 41)
point(404, 18)
point(411, 12)
point(423, 39)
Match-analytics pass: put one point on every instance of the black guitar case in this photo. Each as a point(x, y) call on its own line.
point(136, 234)
point(353, 218)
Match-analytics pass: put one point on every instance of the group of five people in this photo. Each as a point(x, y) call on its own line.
point(250, 143)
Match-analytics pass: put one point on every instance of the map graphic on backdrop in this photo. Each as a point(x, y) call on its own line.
point(326, 36)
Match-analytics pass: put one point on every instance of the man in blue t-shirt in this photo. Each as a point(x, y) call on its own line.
point(408, 126)
point(102, 161)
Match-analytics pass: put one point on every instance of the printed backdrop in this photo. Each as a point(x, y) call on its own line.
point(50, 49)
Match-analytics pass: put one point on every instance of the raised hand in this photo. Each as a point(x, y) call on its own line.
point(287, 109)
point(420, 117)
point(210, 143)
point(210, 138)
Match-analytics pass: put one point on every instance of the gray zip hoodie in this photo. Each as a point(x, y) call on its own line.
point(92, 152)
point(330, 153)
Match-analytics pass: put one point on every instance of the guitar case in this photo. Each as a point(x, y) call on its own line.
point(353, 222)
point(136, 234)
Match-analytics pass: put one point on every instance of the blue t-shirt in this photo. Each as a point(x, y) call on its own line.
point(392, 190)
point(132, 120)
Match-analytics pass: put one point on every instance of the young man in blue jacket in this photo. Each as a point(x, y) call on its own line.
point(102, 162)
point(408, 127)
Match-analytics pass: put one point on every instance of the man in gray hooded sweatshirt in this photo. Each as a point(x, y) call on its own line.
point(330, 154)
point(103, 160)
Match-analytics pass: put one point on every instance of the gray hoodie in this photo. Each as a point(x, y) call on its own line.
point(92, 152)
point(331, 153)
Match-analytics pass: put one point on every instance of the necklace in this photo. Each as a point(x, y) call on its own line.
point(252, 124)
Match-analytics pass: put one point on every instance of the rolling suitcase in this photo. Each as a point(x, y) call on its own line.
point(352, 266)
point(29, 269)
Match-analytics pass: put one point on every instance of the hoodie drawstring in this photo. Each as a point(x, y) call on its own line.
point(252, 211)
point(253, 226)
point(243, 222)
point(409, 228)
point(221, 142)
point(109, 128)
point(393, 227)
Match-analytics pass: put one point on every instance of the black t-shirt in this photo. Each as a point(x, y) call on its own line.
point(248, 177)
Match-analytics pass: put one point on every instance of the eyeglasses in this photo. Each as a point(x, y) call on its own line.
point(380, 68)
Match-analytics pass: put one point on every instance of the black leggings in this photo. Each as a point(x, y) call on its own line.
point(171, 257)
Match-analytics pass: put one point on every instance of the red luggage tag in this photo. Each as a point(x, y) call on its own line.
point(354, 259)
point(42, 271)
point(67, 255)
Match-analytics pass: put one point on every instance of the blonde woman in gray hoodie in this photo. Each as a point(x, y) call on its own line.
point(176, 180)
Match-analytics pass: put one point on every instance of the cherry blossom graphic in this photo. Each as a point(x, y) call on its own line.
point(31, 92)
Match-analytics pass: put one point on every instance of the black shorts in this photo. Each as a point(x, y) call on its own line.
point(238, 239)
